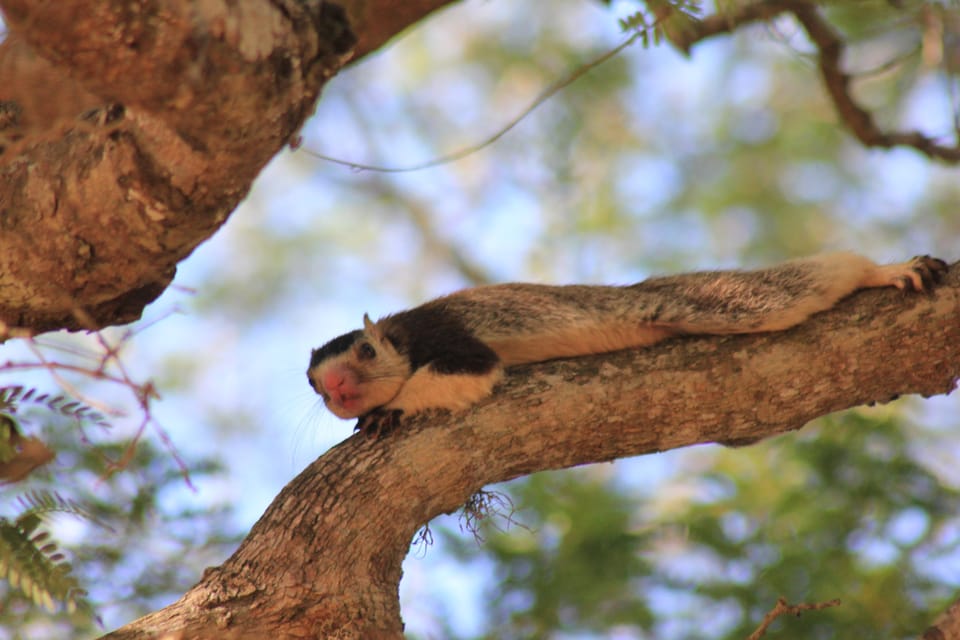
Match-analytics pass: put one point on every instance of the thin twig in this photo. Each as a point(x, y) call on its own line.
point(106, 366)
point(54, 369)
point(782, 608)
point(548, 93)
point(420, 216)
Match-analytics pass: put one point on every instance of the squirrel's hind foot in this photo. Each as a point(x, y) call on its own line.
point(925, 272)
point(921, 273)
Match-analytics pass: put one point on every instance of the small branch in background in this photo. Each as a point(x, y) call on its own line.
point(421, 218)
point(469, 150)
point(859, 120)
point(941, 26)
point(100, 361)
point(684, 30)
point(782, 608)
point(830, 49)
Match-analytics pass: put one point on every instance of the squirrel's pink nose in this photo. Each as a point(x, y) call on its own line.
point(332, 381)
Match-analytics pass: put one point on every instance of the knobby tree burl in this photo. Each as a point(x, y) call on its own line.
point(129, 133)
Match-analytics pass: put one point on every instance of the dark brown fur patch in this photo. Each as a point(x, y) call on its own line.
point(333, 348)
point(430, 336)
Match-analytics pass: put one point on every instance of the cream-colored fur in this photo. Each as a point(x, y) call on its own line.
point(426, 389)
point(568, 342)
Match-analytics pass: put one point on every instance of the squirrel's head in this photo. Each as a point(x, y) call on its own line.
point(358, 371)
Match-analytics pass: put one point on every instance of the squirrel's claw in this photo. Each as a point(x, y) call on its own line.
point(379, 422)
point(920, 274)
point(931, 270)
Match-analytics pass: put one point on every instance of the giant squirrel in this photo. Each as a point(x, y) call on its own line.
point(450, 352)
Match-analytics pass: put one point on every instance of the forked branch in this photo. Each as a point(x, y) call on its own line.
point(830, 47)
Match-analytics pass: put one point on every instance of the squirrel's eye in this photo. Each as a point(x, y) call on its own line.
point(366, 351)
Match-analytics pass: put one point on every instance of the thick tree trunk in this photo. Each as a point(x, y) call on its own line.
point(130, 131)
point(324, 560)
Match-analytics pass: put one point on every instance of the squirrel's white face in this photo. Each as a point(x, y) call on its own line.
point(358, 372)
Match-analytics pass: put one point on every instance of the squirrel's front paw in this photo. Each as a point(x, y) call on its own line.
point(379, 422)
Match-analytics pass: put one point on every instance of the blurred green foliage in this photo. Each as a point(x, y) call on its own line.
point(846, 509)
point(133, 548)
point(573, 563)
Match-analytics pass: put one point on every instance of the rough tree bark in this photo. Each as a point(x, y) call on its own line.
point(324, 561)
point(130, 131)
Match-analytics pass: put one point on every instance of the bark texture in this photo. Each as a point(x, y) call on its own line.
point(130, 131)
point(324, 560)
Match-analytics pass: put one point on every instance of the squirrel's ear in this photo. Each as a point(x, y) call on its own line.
point(371, 328)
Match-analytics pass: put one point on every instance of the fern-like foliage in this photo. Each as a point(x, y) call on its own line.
point(662, 20)
point(31, 562)
point(41, 504)
point(14, 395)
point(29, 558)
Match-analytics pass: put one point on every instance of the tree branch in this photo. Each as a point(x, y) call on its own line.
point(364, 499)
point(377, 21)
point(830, 49)
point(129, 132)
point(784, 608)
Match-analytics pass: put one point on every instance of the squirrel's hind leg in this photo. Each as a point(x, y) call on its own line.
point(781, 296)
